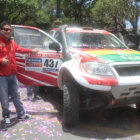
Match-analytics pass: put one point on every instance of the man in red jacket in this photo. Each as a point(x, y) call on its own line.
point(8, 80)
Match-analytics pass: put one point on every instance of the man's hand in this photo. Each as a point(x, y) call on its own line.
point(34, 51)
point(5, 61)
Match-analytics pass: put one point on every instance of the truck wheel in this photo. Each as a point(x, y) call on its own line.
point(138, 107)
point(70, 104)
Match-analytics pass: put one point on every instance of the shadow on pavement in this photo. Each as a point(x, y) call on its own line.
point(100, 123)
point(110, 123)
point(54, 96)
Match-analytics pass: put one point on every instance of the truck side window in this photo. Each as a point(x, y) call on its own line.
point(30, 38)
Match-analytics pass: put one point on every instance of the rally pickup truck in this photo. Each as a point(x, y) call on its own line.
point(92, 67)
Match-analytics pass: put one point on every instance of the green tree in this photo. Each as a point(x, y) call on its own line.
point(25, 12)
point(133, 13)
point(46, 13)
point(77, 11)
point(114, 13)
point(17, 11)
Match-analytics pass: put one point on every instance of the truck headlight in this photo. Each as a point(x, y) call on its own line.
point(94, 68)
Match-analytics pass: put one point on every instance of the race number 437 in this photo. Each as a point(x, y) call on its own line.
point(51, 63)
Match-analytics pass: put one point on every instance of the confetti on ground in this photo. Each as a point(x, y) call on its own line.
point(45, 123)
point(41, 123)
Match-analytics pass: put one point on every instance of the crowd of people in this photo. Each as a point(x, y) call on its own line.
point(8, 80)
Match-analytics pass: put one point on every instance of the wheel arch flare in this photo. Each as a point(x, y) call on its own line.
point(70, 70)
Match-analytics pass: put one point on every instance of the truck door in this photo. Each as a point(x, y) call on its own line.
point(39, 69)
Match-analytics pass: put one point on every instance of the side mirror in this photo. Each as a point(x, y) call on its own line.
point(131, 45)
point(54, 46)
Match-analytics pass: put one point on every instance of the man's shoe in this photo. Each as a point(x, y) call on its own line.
point(29, 98)
point(7, 120)
point(10, 99)
point(24, 117)
point(37, 98)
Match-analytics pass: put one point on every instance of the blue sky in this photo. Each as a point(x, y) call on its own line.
point(139, 22)
point(128, 24)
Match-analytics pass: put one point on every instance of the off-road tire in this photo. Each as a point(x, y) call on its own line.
point(138, 107)
point(70, 104)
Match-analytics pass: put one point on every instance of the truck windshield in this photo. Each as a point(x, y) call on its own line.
point(93, 40)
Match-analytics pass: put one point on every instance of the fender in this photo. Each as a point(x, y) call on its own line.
point(70, 69)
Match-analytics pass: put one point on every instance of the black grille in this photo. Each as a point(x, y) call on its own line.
point(128, 70)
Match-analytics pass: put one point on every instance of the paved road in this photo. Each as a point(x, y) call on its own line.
point(46, 123)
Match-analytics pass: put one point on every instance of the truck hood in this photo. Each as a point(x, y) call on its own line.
point(115, 55)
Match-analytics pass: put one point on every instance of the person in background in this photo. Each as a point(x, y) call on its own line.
point(33, 90)
point(26, 43)
point(8, 80)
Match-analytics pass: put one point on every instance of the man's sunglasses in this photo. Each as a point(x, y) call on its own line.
point(7, 29)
